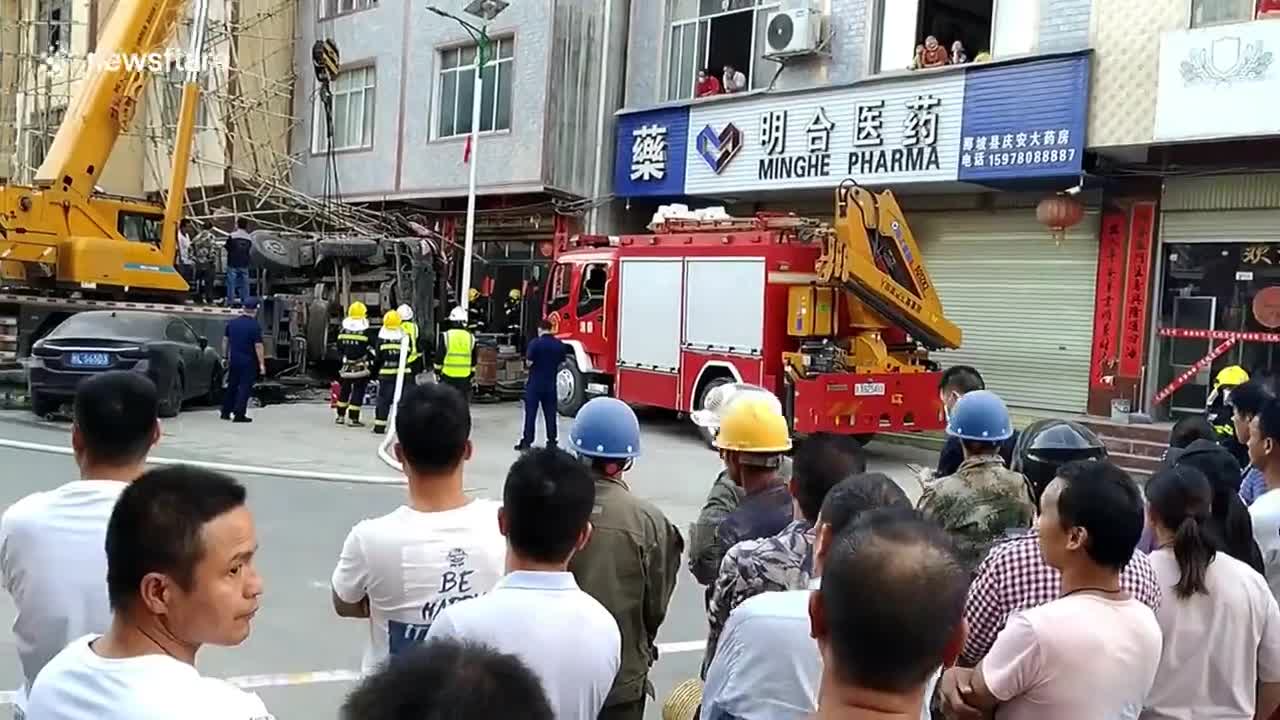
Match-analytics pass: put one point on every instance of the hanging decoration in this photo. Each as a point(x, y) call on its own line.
point(1059, 213)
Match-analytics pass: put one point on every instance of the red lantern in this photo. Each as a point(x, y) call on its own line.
point(1059, 213)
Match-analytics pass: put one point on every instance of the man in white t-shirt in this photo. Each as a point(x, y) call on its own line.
point(402, 569)
point(180, 549)
point(1093, 652)
point(537, 612)
point(1264, 454)
point(51, 555)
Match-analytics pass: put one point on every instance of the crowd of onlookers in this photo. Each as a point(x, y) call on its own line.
point(1033, 578)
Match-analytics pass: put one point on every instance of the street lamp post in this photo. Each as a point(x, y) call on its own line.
point(486, 10)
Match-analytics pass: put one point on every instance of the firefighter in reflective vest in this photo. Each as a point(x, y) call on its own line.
point(390, 338)
point(410, 329)
point(1219, 410)
point(357, 359)
point(456, 354)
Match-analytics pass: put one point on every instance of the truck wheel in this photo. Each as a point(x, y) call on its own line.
point(172, 403)
point(269, 251)
point(571, 389)
point(42, 405)
point(214, 397)
point(708, 436)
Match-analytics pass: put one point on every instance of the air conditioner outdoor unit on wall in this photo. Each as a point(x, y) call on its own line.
point(794, 29)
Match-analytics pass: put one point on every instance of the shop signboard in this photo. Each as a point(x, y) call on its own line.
point(1025, 120)
point(878, 133)
point(650, 153)
point(1219, 82)
point(1108, 305)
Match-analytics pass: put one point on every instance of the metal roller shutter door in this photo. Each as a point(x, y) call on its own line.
point(1025, 305)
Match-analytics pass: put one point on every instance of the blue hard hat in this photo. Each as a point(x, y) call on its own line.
point(980, 416)
point(606, 428)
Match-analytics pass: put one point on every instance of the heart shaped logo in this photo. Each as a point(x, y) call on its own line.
point(717, 149)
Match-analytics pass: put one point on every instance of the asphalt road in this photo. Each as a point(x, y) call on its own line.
point(300, 657)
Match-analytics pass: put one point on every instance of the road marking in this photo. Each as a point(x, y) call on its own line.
point(227, 467)
point(318, 677)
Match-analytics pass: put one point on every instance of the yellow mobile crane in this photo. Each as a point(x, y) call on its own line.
point(59, 233)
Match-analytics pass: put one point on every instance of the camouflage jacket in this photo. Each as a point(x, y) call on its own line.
point(705, 548)
point(980, 504)
point(773, 564)
point(205, 248)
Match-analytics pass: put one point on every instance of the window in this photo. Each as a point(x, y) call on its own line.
point(329, 8)
point(180, 332)
point(558, 289)
point(1220, 12)
point(711, 34)
point(903, 28)
point(457, 89)
point(591, 294)
point(353, 96)
point(53, 33)
point(140, 228)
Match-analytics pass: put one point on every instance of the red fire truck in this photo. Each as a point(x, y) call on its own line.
point(838, 321)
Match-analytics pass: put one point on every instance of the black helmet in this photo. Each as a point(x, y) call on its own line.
point(1049, 444)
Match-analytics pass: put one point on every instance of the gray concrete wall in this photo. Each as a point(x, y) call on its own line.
point(402, 39)
point(1064, 25)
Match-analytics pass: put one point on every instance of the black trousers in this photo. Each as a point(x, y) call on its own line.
point(205, 277)
point(462, 385)
point(351, 397)
point(386, 393)
point(240, 379)
point(539, 399)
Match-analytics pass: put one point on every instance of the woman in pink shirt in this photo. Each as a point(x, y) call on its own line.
point(1219, 620)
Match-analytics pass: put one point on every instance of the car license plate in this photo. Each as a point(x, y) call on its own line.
point(90, 359)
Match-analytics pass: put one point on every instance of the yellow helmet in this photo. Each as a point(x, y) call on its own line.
point(357, 311)
point(1232, 376)
point(753, 425)
point(514, 294)
point(472, 294)
point(391, 320)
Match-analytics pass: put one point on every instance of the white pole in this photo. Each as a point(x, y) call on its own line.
point(464, 296)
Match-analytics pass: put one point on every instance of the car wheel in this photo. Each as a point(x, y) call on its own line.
point(43, 405)
point(214, 396)
point(354, 247)
point(571, 389)
point(269, 251)
point(708, 436)
point(172, 403)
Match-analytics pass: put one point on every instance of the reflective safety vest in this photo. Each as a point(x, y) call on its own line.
point(457, 355)
point(389, 358)
point(410, 330)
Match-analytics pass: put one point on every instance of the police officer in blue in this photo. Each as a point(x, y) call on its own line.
point(544, 354)
point(246, 360)
point(631, 561)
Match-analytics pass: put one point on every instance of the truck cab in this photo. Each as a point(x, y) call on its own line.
point(581, 292)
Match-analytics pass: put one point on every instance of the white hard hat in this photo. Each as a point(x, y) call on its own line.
point(406, 312)
point(719, 399)
point(458, 315)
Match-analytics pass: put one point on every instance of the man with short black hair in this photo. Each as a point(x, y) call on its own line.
point(239, 243)
point(245, 355)
point(545, 355)
point(1246, 402)
point(537, 612)
point(1093, 652)
point(447, 678)
point(51, 542)
point(881, 641)
point(768, 667)
point(1264, 454)
point(401, 570)
point(956, 382)
point(783, 561)
point(180, 574)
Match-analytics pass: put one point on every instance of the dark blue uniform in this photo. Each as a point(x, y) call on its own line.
point(545, 354)
point(243, 334)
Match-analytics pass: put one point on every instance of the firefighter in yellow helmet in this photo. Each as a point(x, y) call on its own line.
point(477, 310)
point(1219, 411)
point(391, 339)
point(411, 330)
point(456, 354)
point(512, 312)
point(357, 361)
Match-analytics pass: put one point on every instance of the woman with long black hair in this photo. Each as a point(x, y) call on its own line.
point(1220, 622)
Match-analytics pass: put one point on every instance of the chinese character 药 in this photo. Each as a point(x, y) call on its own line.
point(869, 123)
point(819, 132)
point(649, 153)
point(773, 132)
point(921, 126)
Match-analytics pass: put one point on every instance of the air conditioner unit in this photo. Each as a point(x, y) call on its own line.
point(795, 29)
